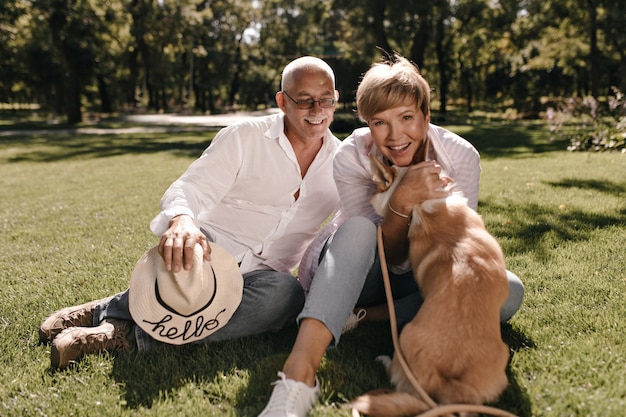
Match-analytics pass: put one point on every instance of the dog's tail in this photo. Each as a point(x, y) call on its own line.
point(389, 404)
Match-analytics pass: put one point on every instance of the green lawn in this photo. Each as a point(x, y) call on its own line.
point(74, 213)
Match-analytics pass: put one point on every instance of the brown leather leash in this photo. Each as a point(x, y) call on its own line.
point(436, 410)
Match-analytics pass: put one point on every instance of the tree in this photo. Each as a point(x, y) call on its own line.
point(73, 27)
point(479, 57)
point(614, 16)
point(11, 13)
point(164, 55)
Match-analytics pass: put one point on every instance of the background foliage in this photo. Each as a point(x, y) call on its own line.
point(72, 56)
point(589, 126)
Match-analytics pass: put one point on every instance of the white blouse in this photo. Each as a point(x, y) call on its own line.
point(356, 186)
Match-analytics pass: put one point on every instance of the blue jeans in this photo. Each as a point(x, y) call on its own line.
point(270, 300)
point(349, 275)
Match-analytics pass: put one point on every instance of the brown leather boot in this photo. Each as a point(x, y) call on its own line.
point(73, 343)
point(75, 316)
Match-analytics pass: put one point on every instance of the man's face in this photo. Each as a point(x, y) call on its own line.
point(305, 85)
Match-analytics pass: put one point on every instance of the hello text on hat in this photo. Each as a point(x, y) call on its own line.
point(189, 305)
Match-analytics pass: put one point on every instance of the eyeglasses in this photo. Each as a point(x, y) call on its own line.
point(308, 104)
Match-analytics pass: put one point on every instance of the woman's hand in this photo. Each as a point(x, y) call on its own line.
point(421, 182)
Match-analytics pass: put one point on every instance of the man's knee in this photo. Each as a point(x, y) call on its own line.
point(285, 293)
point(294, 291)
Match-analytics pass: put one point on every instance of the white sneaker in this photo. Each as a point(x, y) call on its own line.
point(291, 398)
point(353, 321)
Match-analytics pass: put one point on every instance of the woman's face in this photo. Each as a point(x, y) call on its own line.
point(398, 132)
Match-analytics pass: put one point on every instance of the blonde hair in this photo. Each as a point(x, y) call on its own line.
point(307, 63)
point(390, 83)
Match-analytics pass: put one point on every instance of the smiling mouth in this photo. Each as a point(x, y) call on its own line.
point(399, 147)
point(315, 121)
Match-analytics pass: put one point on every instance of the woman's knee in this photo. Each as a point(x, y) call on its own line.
point(356, 237)
point(515, 299)
point(358, 227)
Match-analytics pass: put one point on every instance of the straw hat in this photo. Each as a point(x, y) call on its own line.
point(186, 306)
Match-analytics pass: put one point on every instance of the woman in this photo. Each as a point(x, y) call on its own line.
point(394, 100)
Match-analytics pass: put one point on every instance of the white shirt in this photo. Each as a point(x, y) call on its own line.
point(241, 192)
point(354, 178)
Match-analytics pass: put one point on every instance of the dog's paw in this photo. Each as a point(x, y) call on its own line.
point(385, 360)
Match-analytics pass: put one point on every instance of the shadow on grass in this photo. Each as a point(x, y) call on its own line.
point(605, 187)
point(530, 225)
point(515, 399)
point(511, 140)
point(156, 375)
point(153, 376)
point(492, 141)
point(346, 371)
point(60, 147)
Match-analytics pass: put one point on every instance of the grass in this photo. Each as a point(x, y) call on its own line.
point(74, 214)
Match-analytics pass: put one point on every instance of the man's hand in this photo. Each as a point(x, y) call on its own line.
point(178, 241)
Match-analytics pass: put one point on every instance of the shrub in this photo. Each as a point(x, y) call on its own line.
point(345, 123)
point(589, 126)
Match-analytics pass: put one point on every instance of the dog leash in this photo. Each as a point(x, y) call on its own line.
point(436, 410)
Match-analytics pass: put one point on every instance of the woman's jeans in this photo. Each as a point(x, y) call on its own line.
point(349, 275)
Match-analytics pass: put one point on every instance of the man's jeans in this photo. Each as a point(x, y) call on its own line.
point(270, 300)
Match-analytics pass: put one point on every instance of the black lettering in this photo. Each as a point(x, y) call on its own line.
point(190, 328)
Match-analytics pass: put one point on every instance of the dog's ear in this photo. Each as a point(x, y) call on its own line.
point(383, 175)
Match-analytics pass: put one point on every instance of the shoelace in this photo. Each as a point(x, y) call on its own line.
point(75, 317)
point(281, 396)
point(104, 341)
point(361, 315)
point(353, 320)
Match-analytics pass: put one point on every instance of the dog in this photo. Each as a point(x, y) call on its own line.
point(453, 346)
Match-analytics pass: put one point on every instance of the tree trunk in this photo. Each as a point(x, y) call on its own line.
point(70, 93)
point(378, 25)
point(594, 54)
point(465, 78)
point(441, 57)
point(72, 98)
point(133, 67)
point(105, 98)
point(235, 83)
point(422, 34)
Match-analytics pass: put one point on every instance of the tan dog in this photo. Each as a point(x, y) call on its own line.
point(453, 345)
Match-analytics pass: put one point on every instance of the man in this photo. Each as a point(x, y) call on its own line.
point(260, 191)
